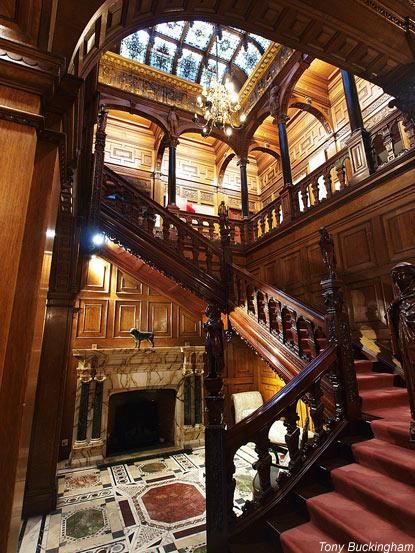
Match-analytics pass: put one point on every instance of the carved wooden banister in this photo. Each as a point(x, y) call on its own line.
point(303, 447)
point(150, 231)
point(208, 226)
point(288, 334)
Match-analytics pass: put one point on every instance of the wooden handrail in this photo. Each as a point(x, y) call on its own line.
point(160, 210)
point(301, 308)
point(272, 409)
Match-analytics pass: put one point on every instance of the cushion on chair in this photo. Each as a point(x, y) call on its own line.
point(246, 403)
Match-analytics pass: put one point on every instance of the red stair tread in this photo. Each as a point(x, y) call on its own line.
point(363, 365)
point(371, 381)
point(304, 538)
point(398, 413)
point(385, 397)
point(395, 461)
point(346, 520)
point(367, 487)
point(393, 431)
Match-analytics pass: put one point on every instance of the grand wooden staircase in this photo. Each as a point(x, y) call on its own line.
point(347, 479)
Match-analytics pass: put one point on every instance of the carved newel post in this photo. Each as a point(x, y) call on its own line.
point(216, 475)
point(338, 332)
point(99, 160)
point(401, 316)
point(173, 142)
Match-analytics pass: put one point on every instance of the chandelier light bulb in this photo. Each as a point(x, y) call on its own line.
point(242, 117)
point(228, 131)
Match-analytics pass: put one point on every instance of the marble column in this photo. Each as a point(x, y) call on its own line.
point(97, 408)
point(359, 142)
point(171, 182)
point(244, 186)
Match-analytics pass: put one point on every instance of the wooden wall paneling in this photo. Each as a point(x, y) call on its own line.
point(188, 326)
point(399, 226)
point(160, 318)
point(92, 318)
point(127, 315)
point(96, 276)
point(357, 247)
point(127, 286)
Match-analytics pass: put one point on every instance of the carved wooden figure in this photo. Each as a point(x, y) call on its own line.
point(401, 316)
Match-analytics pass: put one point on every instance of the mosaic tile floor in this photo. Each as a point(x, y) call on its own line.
point(151, 506)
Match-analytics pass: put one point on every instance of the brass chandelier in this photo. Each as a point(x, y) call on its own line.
point(219, 103)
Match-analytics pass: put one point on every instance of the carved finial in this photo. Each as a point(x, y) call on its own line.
point(328, 253)
point(274, 100)
point(102, 118)
point(173, 123)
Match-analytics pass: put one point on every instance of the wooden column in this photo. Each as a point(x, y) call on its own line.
point(359, 142)
point(284, 149)
point(339, 333)
point(99, 160)
point(217, 503)
point(171, 183)
point(30, 180)
point(41, 487)
point(244, 187)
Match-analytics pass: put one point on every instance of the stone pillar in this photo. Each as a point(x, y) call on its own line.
point(85, 378)
point(97, 409)
point(359, 142)
point(171, 183)
point(243, 162)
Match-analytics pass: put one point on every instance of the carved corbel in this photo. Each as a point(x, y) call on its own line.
point(84, 371)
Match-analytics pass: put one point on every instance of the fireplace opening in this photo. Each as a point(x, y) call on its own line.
point(140, 419)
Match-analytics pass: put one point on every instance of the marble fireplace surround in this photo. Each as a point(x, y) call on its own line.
point(104, 372)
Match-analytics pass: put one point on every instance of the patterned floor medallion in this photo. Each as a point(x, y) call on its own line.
point(152, 506)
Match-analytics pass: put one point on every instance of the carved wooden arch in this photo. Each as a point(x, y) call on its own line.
point(105, 23)
point(121, 106)
point(224, 166)
point(264, 150)
point(318, 114)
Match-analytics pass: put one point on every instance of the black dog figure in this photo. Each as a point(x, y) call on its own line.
point(139, 336)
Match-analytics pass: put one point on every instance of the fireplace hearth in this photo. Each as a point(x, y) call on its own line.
point(140, 419)
point(130, 401)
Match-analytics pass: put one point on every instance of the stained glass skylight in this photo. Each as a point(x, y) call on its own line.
point(188, 50)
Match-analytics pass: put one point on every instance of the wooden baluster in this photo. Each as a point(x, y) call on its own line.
point(317, 409)
point(315, 190)
point(388, 143)
point(211, 230)
point(260, 227)
point(263, 465)
point(272, 317)
point(292, 437)
point(338, 327)
point(304, 195)
point(312, 338)
point(250, 300)
point(218, 508)
point(195, 251)
point(150, 219)
point(260, 302)
point(180, 241)
point(209, 256)
point(166, 229)
point(295, 333)
point(285, 324)
point(278, 214)
point(232, 231)
point(341, 175)
point(328, 183)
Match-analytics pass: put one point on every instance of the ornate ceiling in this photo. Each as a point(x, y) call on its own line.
point(190, 50)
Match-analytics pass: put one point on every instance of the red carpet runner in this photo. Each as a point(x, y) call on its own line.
point(373, 502)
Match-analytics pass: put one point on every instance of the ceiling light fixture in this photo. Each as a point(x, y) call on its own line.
point(219, 102)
